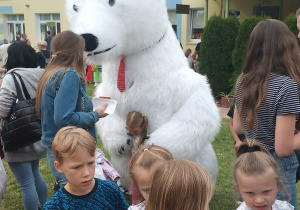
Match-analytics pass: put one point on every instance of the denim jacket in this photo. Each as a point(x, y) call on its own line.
point(66, 108)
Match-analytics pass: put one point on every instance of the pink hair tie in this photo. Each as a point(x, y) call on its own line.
point(145, 150)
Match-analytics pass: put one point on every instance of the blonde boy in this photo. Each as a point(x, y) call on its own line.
point(74, 152)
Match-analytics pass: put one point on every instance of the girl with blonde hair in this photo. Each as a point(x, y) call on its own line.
point(257, 178)
point(180, 185)
point(61, 99)
point(141, 167)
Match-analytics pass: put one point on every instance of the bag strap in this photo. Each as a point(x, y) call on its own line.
point(59, 78)
point(23, 86)
point(18, 88)
point(43, 55)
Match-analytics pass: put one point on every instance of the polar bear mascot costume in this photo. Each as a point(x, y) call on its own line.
point(137, 35)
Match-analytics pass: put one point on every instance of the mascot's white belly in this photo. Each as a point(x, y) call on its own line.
point(183, 116)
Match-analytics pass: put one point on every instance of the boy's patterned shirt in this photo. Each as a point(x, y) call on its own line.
point(105, 196)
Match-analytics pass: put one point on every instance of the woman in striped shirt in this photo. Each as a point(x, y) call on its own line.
point(267, 97)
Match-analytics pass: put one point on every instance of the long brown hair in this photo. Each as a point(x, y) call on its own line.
point(272, 48)
point(67, 52)
point(180, 185)
point(137, 119)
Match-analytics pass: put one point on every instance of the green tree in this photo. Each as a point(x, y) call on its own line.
point(241, 43)
point(217, 44)
point(291, 22)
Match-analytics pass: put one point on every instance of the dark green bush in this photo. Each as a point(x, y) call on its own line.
point(291, 22)
point(217, 44)
point(241, 42)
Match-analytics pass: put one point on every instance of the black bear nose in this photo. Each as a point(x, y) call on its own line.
point(91, 42)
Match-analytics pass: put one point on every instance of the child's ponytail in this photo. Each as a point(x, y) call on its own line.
point(249, 146)
point(144, 134)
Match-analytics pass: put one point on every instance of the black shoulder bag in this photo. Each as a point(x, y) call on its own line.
point(22, 127)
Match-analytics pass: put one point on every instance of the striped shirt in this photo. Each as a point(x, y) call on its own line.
point(281, 99)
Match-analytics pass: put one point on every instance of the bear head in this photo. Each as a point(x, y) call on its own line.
point(114, 28)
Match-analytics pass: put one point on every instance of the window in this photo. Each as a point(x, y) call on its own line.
point(45, 17)
point(272, 11)
point(197, 23)
point(173, 19)
point(49, 22)
point(15, 25)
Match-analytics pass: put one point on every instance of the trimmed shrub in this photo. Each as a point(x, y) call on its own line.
point(291, 22)
point(217, 44)
point(241, 43)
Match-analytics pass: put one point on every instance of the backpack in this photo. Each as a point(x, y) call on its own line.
point(47, 60)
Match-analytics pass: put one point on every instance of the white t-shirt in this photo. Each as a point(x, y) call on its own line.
point(278, 205)
point(140, 206)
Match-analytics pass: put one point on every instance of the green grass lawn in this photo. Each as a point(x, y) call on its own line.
point(224, 195)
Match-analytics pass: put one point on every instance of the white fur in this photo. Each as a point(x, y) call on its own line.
point(183, 116)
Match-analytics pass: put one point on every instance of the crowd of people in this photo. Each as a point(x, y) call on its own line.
point(264, 125)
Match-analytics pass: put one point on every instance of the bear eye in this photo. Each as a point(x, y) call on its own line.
point(75, 8)
point(112, 2)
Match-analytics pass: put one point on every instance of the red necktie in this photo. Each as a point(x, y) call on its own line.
point(121, 75)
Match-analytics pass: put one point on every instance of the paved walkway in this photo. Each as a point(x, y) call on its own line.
point(223, 112)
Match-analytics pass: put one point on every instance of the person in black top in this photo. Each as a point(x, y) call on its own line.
point(43, 54)
point(48, 39)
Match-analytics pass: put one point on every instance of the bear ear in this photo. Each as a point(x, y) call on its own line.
point(112, 2)
point(75, 8)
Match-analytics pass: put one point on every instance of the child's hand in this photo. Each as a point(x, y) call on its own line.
point(101, 112)
point(237, 145)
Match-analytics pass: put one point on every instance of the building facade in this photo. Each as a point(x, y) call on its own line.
point(201, 10)
point(35, 17)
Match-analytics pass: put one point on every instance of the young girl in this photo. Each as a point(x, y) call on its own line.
point(141, 166)
point(66, 103)
point(137, 125)
point(257, 178)
point(267, 97)
point(180, 185)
